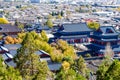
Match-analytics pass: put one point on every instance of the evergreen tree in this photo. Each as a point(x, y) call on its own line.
point(49, 23)
point(44, 36)
point(109, 71)
point(67, 73)
point(81, 67)
point(62, 13)
point(28, 62)
point(59, 16)
point(8, 73)
point(113, 72)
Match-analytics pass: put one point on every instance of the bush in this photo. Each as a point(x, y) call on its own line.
point(87, 55)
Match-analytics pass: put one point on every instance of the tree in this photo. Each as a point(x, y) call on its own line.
point(49, 23)
point(67, 73)
point(3, 21)
point(59, 16)
point(8, 73)
point(103, 68)
point(28, 62)
point(70, 74)
point(62, 13)
point(66, 65)
point(21, 26)
point(62, 51)
point(113, 72)
point(50, 16)
point(108, 51)
point(87, 55)
point(12, 74)
point(56, 55)
point(21, 35)
point(44, 36)
point(93, 25)
point(81, 67)
point(109, 71)
point(106, 63)
point(9, 39)
point(101, 71)
point(53, 14)
point(67, 50)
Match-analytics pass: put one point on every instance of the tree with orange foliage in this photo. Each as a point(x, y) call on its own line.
point(9, 39)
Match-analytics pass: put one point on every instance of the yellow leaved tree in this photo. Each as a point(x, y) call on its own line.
point(3, 21)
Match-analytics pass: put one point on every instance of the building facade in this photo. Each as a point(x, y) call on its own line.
point(73, 33)
point(103, 36)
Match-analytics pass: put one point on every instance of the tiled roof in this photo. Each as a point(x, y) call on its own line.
point(76, 27)
point(9, 28)
point(105, 28)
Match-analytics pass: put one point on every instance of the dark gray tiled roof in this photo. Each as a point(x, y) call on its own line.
point(104, 28)
point(12, 46)
point(11, 63)
point(9, 28)
point(76, 27)
point(54, 66)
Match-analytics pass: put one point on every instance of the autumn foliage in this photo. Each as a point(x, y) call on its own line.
point(3, 21)
point(11, 40)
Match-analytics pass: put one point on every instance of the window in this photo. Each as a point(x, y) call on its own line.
point(108, 30)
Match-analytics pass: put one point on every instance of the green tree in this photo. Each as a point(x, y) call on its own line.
point(87, 55)
point(53, 14)
point(8, 73)
point(109, 71)
point(67, 50)
point(49, 23)
point(44, 36)
point(113, 72)
point(21, 26)
point(28, 62)
point(93, 25)
point(108, 55)
point(67, 73)
point(62, 13)
point(12, 74)
point(59, 16)
point(81, 67)
point(103, 68)
point(62, 51)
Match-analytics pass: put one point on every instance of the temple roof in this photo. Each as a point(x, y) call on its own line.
point(4, 28)
point(76, 27)
point(106, 31)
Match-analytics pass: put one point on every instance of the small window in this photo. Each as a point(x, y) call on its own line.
point(108, 30)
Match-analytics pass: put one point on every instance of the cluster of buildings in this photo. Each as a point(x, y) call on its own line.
point(67, 1)
point(72, 27)
point(95, 40)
